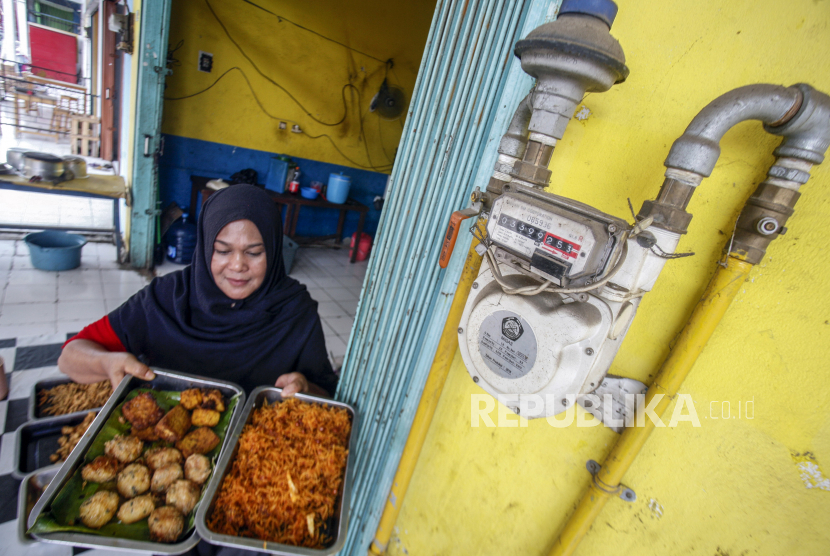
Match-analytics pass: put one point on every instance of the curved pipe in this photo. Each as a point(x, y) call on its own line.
point(514, 141)
point(697, 150)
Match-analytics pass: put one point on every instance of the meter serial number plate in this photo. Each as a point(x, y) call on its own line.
point(528, 230)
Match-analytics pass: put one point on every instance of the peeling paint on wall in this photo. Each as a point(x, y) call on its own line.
point(810, 471)
point(656, 508)
point(583, 113)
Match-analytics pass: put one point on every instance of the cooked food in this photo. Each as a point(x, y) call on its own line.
point(191, 398)
point(156, 457)
point(197, 468)
point(136, 509)
point(133, 480)
point(142, 411)
point(198, 441)
point(124, 448)
point(166, 524)
point(174, 425)
point(212, 399)
point(165, 476)
point(292, 454)
point(205, 417)
point(71, 437)
point(72, 397)
point(147, 435)
point(100, 470)
point(99, 509)
point(183, 495)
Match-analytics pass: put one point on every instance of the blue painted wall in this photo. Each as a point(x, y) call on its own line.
point(184, 157)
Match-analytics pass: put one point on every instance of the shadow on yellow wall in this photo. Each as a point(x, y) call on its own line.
point(329, 82)
point(744, 482)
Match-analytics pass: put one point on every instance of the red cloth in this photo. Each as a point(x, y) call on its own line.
point(100, 332)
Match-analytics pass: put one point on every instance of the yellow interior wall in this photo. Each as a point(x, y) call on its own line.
point(312, 69)
point(732, 485)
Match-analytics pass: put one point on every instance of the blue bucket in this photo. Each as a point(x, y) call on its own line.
point(338, 188)
point(54, 250)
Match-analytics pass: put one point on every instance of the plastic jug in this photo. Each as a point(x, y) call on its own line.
point(338, 188)
point(181, 241)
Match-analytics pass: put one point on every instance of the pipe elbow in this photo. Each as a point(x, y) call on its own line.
point(514, 141)
point(807, 133)
point(697, 150)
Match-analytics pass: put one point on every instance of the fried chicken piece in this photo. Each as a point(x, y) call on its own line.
point(166, 524)
point(100, 470)
point(174, 425)
point(156, 457)
point(191, 398)
point(212, 399)
point(147, 435)
point(183, 495)
point(165, 476)
point(133, 480)
point(199, 441)
point(99, 509)
point(197, 468)
point(205, 417)
point(136, 509)
point(124, 448)
point(142, 411)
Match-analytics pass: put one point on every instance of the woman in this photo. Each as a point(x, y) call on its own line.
point(233, 314)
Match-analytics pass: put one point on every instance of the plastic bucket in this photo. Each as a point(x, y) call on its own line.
point(54, 250)
point(338, 188)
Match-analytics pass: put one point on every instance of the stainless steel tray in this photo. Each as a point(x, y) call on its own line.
point(36, 479)
point(164, 380)
point(34, 442)
point(271, 395)
point(46, 384)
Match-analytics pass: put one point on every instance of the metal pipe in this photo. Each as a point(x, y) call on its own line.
point(722, 289)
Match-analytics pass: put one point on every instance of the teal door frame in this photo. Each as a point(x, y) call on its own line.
point(152, 72)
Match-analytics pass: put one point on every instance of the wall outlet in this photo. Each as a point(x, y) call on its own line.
point(296, 129)
point(205, 61)
point(283, 125)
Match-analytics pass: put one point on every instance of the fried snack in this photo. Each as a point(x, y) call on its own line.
point(191, 398)
point(166, 524)
point(133, 480)
point(156, 457)
point(142, 411)
point(165, 476)
point(205, 417)
point(100, 470)
point(197, 468)
point(174, 425)
point(287, 443)
point(198, 441)
point(124, 448)
point(99, 509)
point(147, 435)
point(212, 399)
point(183, 495)
point(71, 437)
point(72, 397)
point(136, 509)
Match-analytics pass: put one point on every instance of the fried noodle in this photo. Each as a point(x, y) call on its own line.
point(284, 482)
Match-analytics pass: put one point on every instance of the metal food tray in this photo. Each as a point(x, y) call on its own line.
point(223, 466)
point(34, 442)
point(41, 478)
point(164, 380)
point(46, 384)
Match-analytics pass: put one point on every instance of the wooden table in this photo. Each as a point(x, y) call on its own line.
point(293, 203)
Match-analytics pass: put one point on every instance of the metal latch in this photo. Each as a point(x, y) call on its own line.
point(455, 225)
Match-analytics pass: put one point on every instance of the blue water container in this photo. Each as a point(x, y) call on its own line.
point(181, 241)
point(338, 188)
point(277, 173)
point(54, 250)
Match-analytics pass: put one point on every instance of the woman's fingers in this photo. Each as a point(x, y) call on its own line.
point(127, 364)
point(291, 384)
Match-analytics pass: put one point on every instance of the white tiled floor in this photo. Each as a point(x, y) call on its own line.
point(35, 302)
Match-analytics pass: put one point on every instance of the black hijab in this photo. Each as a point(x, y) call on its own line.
point(183, 321)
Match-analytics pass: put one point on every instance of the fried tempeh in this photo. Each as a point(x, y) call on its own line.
point(147, 435)
point(212, 399)
point(142, 411)
point(205, 417)
point(191, 398)
point(199, 441)
point(174, 425)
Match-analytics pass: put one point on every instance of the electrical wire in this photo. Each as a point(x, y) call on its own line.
point(281, 18)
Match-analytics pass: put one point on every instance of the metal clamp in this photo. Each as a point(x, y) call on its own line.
point(621, 490)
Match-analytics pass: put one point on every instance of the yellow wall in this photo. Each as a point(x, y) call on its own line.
point(730, 486)
point(311, 68)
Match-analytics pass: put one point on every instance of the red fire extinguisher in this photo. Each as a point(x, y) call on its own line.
point(364, 246)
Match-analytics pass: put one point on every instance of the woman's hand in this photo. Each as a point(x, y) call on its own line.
point(292, 383)
point(122, 364)
point(85, 361)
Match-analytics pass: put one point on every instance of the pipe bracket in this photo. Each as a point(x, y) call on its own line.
point(620, 490)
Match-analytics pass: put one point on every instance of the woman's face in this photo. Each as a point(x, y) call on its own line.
point(239, 263)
